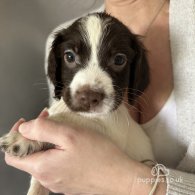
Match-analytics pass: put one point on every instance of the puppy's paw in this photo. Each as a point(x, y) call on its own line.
point(15, 144)
point(7, 140)
point(3, 143)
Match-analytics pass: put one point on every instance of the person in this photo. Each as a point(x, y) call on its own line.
point(86, 162)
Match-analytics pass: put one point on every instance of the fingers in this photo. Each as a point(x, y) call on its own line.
point(44, 130)
point(32, 164)
point(17, 124)
point(24, 164)
point(44, 113)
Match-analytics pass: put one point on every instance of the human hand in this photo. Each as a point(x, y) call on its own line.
point(83, 161)
point(16, 126)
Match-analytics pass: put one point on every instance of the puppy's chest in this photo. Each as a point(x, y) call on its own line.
point(118, 126)
point(114, 125)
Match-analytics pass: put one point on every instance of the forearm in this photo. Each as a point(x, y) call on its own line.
point(175, 182)
point(144, 182)
point(138, 180)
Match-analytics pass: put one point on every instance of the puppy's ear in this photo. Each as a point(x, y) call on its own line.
point(139, 71)
point(54, 69)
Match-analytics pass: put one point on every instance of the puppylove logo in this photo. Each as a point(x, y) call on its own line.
point(160, 173)
point(159, 170)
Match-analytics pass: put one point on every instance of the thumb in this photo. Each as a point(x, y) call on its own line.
point(44, 130)
point(17, 124)
point(44, 113)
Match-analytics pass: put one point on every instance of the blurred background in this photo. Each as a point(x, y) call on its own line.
point(25, 26)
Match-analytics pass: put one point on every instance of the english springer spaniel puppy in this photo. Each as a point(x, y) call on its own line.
point(92, 64)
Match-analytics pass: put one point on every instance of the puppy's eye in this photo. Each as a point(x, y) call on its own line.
point(120, 59)
point(69, 57)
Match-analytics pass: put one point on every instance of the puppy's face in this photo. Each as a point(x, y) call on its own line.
point(94, 61)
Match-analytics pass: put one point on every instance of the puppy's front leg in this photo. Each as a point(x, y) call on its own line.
point(15, 144)
point(36, 188)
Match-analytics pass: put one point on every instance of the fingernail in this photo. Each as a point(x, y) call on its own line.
point(21, 120)
point(21, 129)
point(45, 109)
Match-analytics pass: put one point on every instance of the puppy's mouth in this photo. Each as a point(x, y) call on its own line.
point(89, 101)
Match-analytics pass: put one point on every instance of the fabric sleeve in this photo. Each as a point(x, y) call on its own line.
point(180, 183)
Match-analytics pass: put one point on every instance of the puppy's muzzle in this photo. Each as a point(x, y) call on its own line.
point(88, 99)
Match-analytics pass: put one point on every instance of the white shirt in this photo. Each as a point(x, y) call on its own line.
point(162, 130)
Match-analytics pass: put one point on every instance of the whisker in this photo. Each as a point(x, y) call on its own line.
point(43, 88)
point(127, 118)
point(143, 97)
point(129, 105)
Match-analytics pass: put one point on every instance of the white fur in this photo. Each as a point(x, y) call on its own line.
point(97, 79)
point(117, 125)
point(93, 75)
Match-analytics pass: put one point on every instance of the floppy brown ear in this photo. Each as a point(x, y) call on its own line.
point(139, 72)
point(54, 69)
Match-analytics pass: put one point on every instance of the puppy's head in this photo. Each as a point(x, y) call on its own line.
point(94, 61)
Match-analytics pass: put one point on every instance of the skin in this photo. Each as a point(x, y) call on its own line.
point(137, 15)
point(77, 169)
point(83, 172)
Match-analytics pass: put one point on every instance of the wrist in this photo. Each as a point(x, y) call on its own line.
point(133, 177)
point(129, 179)
point(144, 181)
point(123, 178)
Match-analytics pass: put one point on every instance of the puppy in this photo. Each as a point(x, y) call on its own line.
point(92, 64)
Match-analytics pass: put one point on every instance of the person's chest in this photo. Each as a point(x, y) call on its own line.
point(163, 133)
point(161, 74)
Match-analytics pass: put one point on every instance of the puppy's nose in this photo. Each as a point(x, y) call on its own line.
point(88, 98)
